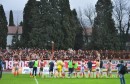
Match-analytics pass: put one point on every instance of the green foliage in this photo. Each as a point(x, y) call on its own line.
point(27, 21)
point(48, 21)
point(11, 19)
point(104, 34)
point(3, 28)
point(68, 25)
point(79, 32)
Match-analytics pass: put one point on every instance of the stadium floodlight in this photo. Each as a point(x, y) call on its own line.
point(38, 0)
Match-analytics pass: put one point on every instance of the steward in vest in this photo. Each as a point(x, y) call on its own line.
point(70, 66)
point(35, 65)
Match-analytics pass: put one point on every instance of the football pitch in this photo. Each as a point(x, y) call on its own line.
point(25, 79)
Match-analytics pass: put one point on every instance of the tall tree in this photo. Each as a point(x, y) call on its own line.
point(79, 32)
point(43, 28)
point(57, 34)
point(11, 19)
point(104, 31)
point(52, 20)
point(27, 22)
point(68, 24)
point(121, 11)
point(37, 34)
point(3, 28)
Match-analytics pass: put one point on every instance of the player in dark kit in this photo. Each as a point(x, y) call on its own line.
point(31, 67)
point(89, 68)
point(101, 68)
point(51, 67)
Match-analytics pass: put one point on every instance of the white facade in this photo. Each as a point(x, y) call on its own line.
point(9, 39)
point(12, 31)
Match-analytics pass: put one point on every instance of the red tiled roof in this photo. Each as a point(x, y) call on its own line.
point(13, 30)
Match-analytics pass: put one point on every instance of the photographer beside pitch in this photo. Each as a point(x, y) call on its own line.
point(1, 68)
point(122, 72)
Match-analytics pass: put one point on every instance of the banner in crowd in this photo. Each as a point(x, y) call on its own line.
point(24, 65)
point(26, 70)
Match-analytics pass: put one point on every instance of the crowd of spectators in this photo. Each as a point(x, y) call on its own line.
point(26, 54)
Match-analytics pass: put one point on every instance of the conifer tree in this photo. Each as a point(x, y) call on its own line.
point(104, 31)
point(3, 28)
point(11, 19)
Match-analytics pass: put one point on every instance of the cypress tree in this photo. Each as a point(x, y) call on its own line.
point(42, 25)
point(68, 25)
point(27, 22)
point(52, 20)
point(11, 19)
point(58, 34)
point(3, 28)
point(104, 31)
point(79, 32)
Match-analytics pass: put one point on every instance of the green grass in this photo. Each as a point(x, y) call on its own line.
point(25, 79)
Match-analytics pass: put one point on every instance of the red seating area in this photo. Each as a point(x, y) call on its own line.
point(26, 54)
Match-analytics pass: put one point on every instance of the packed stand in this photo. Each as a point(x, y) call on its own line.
point(26, 54)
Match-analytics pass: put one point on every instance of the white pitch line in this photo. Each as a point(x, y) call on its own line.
point(36, 80)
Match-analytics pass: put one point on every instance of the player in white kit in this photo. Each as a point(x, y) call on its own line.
point(109, 68)
point(97, 69)
point(63, 69)
point(16, 67)
point(41, 68)
point(82, 68)
point(55, 69)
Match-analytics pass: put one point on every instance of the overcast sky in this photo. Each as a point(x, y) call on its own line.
point(19, 4)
